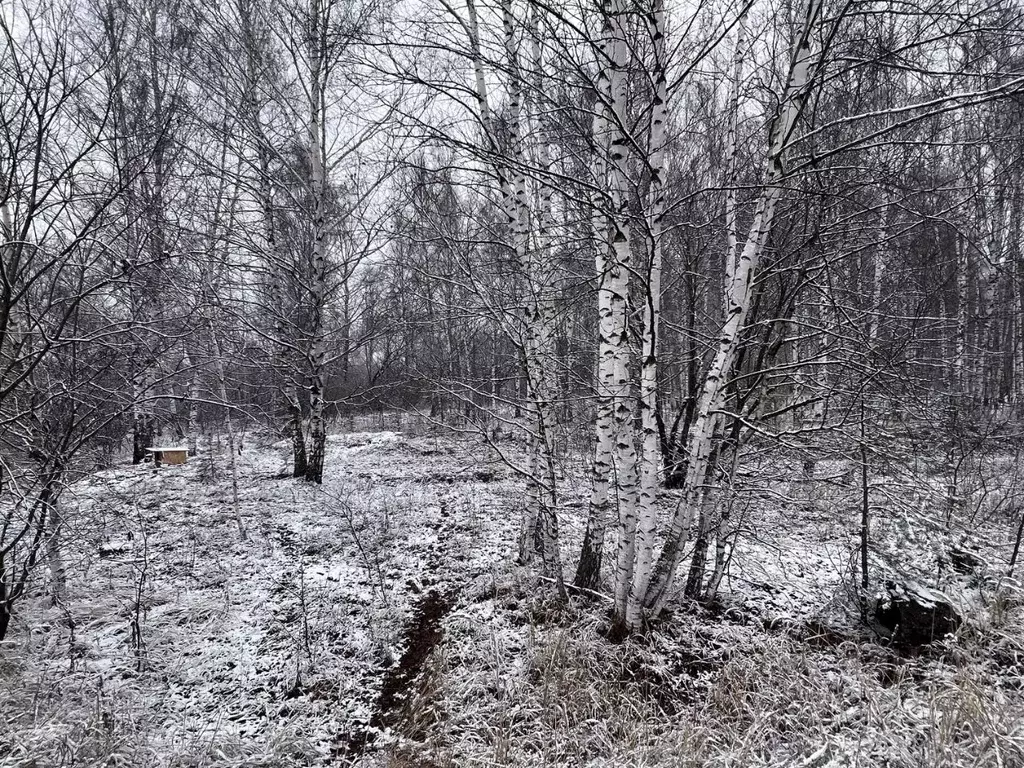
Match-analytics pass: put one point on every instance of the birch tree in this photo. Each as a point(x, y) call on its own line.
point(304, 144)
point(316, 86)
point(708, 418)
point(650, 462)
point(614, 453)
point(534, 333)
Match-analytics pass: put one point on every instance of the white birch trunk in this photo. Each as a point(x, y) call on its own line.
point(721, 555)
point(878, 275)
point(588, 572)
point(541, 503)
point(961, 384)
point(537, 315)
point(983, 260)
point(992, 267)
point(959, 372)
point(515, 195)
point(731, 181)
point(296, 427)
point(1017, 308)
point(708, 415)
point(542, 269)
point(285, 361)
point(650, 457)
point(10, 331)
point(711, 517)
point(614, 346)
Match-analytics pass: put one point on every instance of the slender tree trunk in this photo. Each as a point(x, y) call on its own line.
point(291, 370)
point(296, 428)
point(721, 541)
point(143, 422)
point(317, 425)
point(698, 560)
point(960, 365)
point(540, 513)
point(229, 428)
point(865, 508)
point(878, 275)
point(731, 180)
point(542, 497)
point(139, 216)
point(709, 523)
point(588, 571)
point(1018, 330)
point(959, 381)
point(54, 555)
point(650, 459)
point(614, 347)
point(542, 274)
point(708, 414)
point(10, 335)
point(991, 218)
point(317, 428)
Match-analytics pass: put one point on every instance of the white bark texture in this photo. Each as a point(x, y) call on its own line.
point(992, 213)
point(959, 370)
point(11, 348)
point(540, 513)
point(589, 571)
point(318, 288)
point(650, 457)
point(731, 181)
point(1017, 297)
point(878, 274)
point(614, 295)
point(55, 556)
point(543, 288)
point(708, 417)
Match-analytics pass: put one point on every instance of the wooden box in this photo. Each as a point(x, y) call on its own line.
point(169, 455)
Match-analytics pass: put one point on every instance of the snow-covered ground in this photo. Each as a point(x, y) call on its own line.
point(380, 619)
point(269, 645)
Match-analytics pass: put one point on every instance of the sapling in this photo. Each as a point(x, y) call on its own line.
point(865, 511)
point(139, 609)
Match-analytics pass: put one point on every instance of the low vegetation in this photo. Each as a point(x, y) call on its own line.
point(380, 619)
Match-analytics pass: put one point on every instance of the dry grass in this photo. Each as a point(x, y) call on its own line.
point(711, 696)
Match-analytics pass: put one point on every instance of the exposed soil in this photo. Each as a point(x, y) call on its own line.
point(422, 634)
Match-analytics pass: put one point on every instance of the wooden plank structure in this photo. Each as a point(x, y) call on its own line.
point(168, 454)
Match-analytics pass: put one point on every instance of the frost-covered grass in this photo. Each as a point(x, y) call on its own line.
point(181, 643)
point(698, 692)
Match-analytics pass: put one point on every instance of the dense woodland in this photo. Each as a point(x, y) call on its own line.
point(697, 254)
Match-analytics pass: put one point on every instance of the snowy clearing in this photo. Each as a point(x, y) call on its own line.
point(379, 619)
